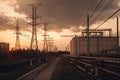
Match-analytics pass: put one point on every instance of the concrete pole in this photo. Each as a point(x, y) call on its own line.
point(97, 40)
point(117, 35)
point(76, 44)
point(88, 35)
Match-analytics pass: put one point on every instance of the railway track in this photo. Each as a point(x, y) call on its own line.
point(97, 68)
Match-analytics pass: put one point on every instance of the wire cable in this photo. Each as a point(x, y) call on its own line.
point(108, 18)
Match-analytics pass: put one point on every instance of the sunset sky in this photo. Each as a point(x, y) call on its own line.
point(65, 17)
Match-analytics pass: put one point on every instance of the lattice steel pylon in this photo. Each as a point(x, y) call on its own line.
point(50, 44)
point(17, 43)
point(45, 45)
point(34, 43)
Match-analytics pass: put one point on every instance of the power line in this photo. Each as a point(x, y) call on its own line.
point(108, 18)
point(98, 12)
point(93, 12)
point(4, 21)
point(101, 11)
point(89, 7)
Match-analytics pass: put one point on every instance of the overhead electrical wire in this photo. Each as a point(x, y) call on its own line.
point(104, 7)
point(90, 7)
point(92, 11)
point(95, 9)
point(97, 12)
point(2, 20)
point(101, 7)
point(8, 23)
point(108, 18)
point(5, 22)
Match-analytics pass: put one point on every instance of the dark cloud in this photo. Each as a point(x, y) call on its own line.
point(9, 23)
point(6, 24)
point(62, 14)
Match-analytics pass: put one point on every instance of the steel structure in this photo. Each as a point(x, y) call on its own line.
point(88, 35)
point(98, 31)
point(51, 44)
point(34, 17)
point(45, 45)
point(17, 43)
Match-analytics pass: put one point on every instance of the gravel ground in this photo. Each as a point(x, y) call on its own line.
point(65, 71)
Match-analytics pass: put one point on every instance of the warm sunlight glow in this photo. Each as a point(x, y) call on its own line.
point(8, 37)
point(109, 24)
point(8, 8)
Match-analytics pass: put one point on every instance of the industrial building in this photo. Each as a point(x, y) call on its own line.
point(4, 49)
point(98, 43)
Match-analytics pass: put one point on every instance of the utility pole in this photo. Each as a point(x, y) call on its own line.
point(45, 45)
point(34, 17)
point(117, 35)
point(17, 43)
point(88, 53)
point(76, 45)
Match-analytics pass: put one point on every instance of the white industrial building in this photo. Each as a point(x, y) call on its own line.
point(98, 43)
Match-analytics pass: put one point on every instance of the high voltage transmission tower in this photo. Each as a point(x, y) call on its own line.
point(45, 45)
point(34, 17)
point(17, 43)
point(50, 44)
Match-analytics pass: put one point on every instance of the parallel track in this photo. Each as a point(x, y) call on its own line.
point(108, 68)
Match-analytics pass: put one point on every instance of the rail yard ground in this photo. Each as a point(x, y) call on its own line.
point(65, 71)
point(67, 68)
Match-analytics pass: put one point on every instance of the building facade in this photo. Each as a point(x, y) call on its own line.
point(78, 45)
point(4, 49)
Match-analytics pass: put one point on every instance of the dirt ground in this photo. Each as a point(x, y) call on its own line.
point(65, 71)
